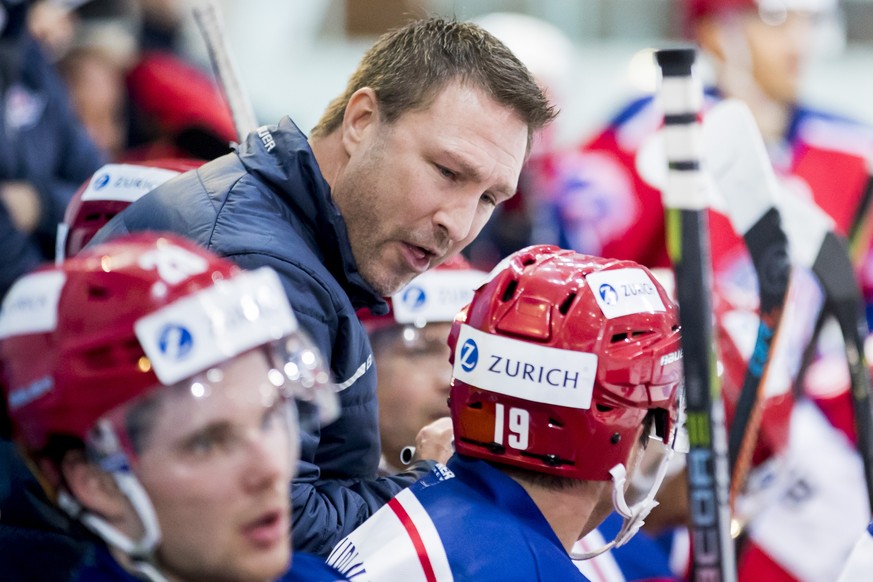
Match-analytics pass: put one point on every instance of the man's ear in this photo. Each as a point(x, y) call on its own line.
point(360, 118)
point(94, 489)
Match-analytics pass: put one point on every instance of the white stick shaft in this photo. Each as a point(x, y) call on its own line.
point(208, 17)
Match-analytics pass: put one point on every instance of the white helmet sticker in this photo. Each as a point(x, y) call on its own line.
point(525, 370)
point(125, 182)
point(173, 263)
point(217, 323)
point(625, 291)
point(31, 305)
point(435, 296)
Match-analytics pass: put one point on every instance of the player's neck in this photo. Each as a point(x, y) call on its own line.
point(568, 511)
point(772, 118)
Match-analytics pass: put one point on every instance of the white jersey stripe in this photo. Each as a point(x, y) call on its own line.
point(433, 545)
point(382, 549)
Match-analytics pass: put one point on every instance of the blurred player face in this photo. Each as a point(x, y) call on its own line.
point(97, 95)
point(418, 190)
point(767, 49)
point(414, 376)
point(779, 45)
point(217, 469)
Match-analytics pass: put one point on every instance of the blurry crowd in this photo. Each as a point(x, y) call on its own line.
point(86, 83)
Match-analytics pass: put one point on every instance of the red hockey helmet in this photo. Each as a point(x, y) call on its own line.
point(107, 192)
point(434, 296)
point(559, 358)
point(127, 317)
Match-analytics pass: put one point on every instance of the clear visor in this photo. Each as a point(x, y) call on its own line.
point(212, 423)
point(299, 364)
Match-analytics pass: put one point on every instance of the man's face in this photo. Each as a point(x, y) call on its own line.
point(779, 46)
point(217, 468)
point(414, 376)
point(761, 51)
point(418, 190)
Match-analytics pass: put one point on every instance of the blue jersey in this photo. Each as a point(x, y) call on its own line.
point(640, 558)
point(100, 566)
point(466, 521)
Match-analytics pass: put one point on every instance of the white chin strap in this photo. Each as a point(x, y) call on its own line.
point(141, 552)
point(634, 515)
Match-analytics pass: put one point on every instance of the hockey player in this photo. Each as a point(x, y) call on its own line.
point(401, 173)
point(412, 356)
point(111, 189)
point(566, 367)
point(758, 49)
point(605, 202)
point(152, 386)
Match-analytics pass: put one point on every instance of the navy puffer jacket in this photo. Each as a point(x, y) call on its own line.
point(268, 204)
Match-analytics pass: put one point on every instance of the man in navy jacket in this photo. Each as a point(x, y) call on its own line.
point(402, 171)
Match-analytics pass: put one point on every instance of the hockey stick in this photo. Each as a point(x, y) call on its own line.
point(208, 18)
point(815, 246)
point(834, 269)
point(832, 266)
point(738, 163)
point(859, 237)
point(685, 201)
point(860, 231)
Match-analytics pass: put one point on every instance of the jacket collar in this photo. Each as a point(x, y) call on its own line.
point(280, 156)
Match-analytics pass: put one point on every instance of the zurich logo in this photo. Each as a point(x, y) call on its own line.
point(175, 341)
point(101, 182)
point(469, 355)
point(608, 294)
point(414, 297)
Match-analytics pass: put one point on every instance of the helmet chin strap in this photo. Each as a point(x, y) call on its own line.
point(633, 515)
point(141, 552)
point(114, 461)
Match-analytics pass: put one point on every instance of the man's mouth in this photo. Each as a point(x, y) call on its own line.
point(268, 529)
point(419, 258)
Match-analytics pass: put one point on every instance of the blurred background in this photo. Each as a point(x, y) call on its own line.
point(294, 56)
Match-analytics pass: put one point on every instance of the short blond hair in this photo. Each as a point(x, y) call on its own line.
point(409, 66)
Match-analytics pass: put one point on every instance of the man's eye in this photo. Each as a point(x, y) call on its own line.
point(201, 444)
point(489, 199)
point(446, 172)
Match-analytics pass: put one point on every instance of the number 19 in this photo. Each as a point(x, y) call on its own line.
point(518, 424)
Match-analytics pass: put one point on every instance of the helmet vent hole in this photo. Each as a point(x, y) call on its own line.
point(99, 358)
point(619, 337)
point(98, 292)
point(566, 303)
point(604, 408)
point(528, 261)
point(555, 423)
point(475, 405)
point(509, 291)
